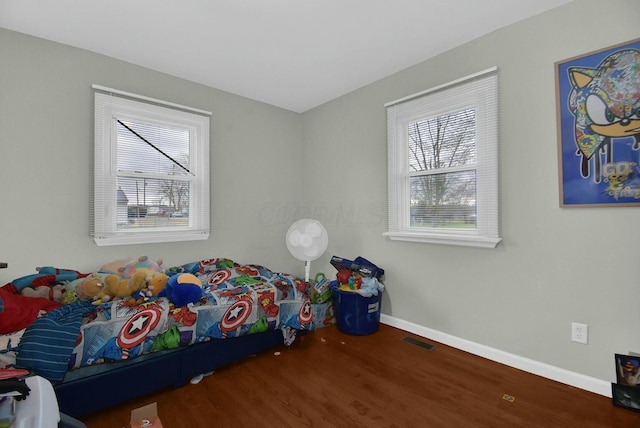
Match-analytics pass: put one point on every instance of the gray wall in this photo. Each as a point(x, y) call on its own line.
point(554, 265)
point(270, 167)
point(46, 147)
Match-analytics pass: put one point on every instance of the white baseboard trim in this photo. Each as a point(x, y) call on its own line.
point(567, 377)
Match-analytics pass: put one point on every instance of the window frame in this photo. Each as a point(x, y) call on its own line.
point(479, 90)
point(111, 104)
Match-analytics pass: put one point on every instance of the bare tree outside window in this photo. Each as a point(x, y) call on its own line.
point(442, 156)
point(176, 192)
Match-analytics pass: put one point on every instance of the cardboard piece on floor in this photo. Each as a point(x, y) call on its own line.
point(145, 417)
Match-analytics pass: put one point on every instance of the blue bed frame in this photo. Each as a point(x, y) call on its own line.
point(173, 368)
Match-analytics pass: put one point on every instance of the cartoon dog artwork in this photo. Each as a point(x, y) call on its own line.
point(605, 103)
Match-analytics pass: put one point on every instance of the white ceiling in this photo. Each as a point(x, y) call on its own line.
point(295, 54)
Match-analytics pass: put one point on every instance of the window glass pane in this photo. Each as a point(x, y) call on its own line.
point(444, 200)
point(442, 141)
point(152, 148)
point(151, 203)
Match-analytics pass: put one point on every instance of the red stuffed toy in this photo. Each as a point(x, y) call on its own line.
point(17, 311)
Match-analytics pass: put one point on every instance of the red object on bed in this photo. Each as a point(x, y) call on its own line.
point(7, 373)
point(17, 311)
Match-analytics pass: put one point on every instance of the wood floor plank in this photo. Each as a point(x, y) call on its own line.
point(330, 379)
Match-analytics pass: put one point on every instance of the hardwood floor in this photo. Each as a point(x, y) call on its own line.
point(330, 379)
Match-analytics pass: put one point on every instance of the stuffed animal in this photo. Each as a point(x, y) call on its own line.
point(47, 275)
point(89, 288)
point(115, 287)
point(154, 286)
point(52, 293)
point(143, 263)
point(343, 276)
point(68, 297)
point(182, 289)
point(101, 289)
point(115, 266)
point(157, 283)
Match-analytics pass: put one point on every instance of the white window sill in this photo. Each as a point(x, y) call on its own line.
point(150, 238)
point(445, 238)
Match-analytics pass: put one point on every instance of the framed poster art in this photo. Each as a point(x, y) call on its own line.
point(625, 397)
point(628, 370)
point(598, 119)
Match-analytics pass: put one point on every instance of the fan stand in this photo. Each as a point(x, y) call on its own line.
point(307, 270)
point(307, 240)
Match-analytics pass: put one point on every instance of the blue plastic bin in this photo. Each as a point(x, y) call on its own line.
point(355, 314)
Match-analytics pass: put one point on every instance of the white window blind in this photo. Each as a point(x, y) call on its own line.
point(443, 163)
point(151, 170)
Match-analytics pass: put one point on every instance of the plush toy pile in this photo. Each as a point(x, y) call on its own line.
point(135, 280)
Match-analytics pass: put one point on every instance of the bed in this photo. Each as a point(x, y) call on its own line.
point(100, 355)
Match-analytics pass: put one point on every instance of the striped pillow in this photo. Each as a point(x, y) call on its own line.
point(48, 342)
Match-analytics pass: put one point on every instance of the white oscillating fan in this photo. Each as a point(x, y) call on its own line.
point(307, 240)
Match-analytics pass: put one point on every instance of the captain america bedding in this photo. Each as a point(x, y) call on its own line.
point(238, 300)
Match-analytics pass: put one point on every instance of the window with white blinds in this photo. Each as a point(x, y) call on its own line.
point(151, 170)
point(443, 163)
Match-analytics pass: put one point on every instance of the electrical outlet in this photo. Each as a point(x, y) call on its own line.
point(579, 332)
